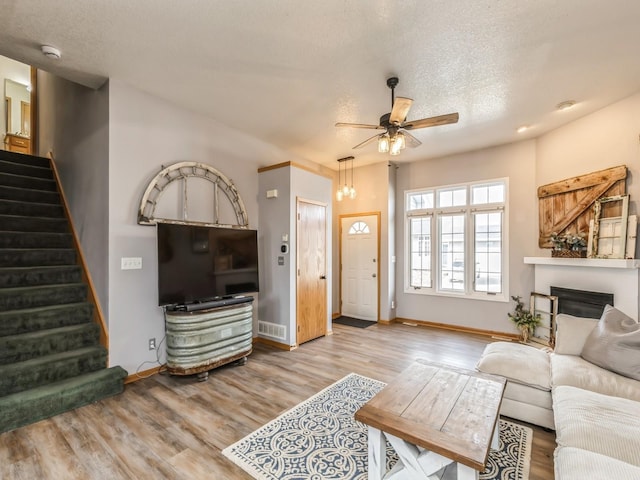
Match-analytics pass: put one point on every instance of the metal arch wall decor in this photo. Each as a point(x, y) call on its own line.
point(182, 171)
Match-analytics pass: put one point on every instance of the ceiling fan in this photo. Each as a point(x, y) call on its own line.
point(395, 124)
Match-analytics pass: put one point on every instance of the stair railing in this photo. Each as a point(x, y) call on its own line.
point(92, 297)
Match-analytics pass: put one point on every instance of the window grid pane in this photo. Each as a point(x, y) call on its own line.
point(452, 252)
point(359, 228)
point(420, 201)
point(488, 252)
point(452, 197)
point(420, 260)
point(487, 193)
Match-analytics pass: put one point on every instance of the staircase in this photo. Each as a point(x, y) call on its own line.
point(51, 360)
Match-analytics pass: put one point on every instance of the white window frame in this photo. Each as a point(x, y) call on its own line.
point(469, 211)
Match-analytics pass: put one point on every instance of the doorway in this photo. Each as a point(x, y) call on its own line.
point(360, 265)
point(311, 291)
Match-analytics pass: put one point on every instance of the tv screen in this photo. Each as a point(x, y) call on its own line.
point(199, 263)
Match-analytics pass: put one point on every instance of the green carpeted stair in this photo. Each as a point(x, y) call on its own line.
point(51, 360)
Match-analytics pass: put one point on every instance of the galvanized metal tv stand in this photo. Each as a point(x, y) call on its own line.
point(206, 335)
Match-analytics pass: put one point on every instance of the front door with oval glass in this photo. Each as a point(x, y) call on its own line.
point(359, 255)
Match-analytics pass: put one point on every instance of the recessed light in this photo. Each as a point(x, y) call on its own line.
point(566, 105)
point(523, 128)
point(50, 52)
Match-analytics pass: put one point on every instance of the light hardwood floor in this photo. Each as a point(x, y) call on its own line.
point(175, 427)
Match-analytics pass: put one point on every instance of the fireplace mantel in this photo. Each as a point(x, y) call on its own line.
point(620, 277)
point(584, 262)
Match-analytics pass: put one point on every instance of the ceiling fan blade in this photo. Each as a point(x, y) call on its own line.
point(431, 121)
point(359, 125)
point(401, 106)
point(411, 141)
point(366, 142)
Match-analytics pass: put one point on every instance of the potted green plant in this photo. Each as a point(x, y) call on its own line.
point(524, 319)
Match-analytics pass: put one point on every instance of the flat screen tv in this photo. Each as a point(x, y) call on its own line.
point(199, 263)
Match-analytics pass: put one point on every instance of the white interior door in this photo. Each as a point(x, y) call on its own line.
point(360, 267)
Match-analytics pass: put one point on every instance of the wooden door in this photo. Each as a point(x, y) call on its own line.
point(311, 282)
point(359, 266)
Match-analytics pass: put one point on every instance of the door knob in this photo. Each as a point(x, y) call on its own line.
point(323, 277)
point(373, 275)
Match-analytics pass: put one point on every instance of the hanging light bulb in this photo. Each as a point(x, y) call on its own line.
point(383, 143)
point(352, 190)
point(339, 191)
point(396, 146)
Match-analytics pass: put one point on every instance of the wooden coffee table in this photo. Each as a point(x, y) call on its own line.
point(433, 415)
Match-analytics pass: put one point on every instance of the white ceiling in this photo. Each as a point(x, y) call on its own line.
point(285, 71)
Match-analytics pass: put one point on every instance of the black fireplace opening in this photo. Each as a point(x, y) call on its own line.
point(581, 303)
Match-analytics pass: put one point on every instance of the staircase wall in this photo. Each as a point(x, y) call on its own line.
point(74, 125)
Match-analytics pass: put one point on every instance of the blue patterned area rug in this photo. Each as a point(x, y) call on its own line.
point(319, 439)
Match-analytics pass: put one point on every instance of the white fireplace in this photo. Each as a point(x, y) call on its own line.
point(619, 277)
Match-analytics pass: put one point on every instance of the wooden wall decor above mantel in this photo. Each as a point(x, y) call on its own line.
point(565, 206)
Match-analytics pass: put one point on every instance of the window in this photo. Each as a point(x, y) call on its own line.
point(464, 226)
point(359, 228)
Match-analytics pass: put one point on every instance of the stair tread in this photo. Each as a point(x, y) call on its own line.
point(51, 358)
point(24, 159)
point(52, 331)
point(20, 250)
point(11, 290)
point(29, 177)
point(38, 267)
point(25, 192)
point(85, 378)
point(35, 310)
point(33, 217)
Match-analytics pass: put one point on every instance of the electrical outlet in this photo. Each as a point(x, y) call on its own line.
point(152, 344)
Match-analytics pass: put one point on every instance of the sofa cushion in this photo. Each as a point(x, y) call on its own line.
point(615, 344)
point(574, 371)
point(571, 333)
point(598, 423)
point(576, 464)
point(518, 363)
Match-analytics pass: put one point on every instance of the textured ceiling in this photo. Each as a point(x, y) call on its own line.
point(285, 71)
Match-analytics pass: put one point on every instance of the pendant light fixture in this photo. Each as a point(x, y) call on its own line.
point(339, 194)
point(345, 190)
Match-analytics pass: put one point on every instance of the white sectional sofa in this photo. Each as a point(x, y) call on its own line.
point(595, 411)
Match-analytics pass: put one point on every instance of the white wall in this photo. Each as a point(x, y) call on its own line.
point(278, 302)
point(516, 162)
point(604, 139)
point(74, 125)
point(145, 134)
point(275, 221)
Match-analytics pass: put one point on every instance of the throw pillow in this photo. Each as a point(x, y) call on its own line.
point(614, 344)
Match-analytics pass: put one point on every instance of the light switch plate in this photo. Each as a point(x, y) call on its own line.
point(131, 263)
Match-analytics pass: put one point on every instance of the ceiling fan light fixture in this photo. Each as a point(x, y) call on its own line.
point(383, 143)
point(397, 144)
point(400, 139)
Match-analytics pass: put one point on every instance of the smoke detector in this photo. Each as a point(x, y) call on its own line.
point(51, 52)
